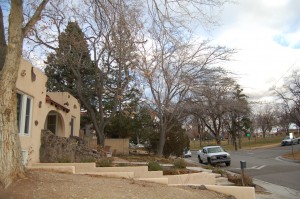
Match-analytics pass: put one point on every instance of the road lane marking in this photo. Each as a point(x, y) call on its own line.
point(260, 167)
point(255, 167)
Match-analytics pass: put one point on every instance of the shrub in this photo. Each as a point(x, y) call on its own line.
point(87, 159)
point(237, 180)
point(179, 164)
point(219, 171)
point(171, 171)
point(104, 162)
point(154, 166)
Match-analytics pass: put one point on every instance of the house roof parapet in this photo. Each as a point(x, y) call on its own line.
point(57, 105)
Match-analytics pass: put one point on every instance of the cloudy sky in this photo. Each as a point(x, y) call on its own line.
point(267, 36)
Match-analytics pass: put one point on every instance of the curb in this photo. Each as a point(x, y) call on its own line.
point(276, 191)
point(288, 160)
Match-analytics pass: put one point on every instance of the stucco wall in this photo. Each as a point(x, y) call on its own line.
point(32, 82)
point(37, 90)
point(118, 146)
point(70, 102)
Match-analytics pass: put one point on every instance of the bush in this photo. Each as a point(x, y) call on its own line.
point(179, 164)
point(171, 171)
point(237, 180)
point(219, 171)
point(154, 166)
point(104, 162)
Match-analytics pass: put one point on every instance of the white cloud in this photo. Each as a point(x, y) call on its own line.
point(267, 36)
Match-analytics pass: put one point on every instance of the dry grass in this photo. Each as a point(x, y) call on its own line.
point(295, 156)
point(246, 143)
point(146, 158)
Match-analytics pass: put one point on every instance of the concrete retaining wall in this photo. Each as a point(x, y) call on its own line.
point(155, 180)
point(194, 178)
point(238, 192)
point(128, 175)
point(79, 167)
point(148, 174)
point(62, 169)
point(142, 173)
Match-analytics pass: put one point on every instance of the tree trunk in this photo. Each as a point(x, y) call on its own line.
point(234, 141)
point(3, 46)
point(264, 134)
point(199, 132)
point(10, 152)
point(240, 141)
point(99, 128)
point(161, 143)
point(100, 135)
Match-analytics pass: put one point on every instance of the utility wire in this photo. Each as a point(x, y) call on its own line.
point(287, 71)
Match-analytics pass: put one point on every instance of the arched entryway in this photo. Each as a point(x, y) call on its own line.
point(55, 123)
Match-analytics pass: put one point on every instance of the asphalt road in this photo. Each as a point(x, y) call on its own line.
point(265, 164)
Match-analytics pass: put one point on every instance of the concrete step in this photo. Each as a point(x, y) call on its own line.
point(223, 181)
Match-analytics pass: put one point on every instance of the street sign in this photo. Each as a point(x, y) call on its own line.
point(248, 134)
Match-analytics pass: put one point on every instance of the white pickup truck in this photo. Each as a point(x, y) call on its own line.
point(289, 141)
point(214, 155)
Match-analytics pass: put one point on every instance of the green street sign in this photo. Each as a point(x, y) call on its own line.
point(248, 134)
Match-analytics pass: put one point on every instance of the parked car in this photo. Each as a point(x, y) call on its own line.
point(187, 153)
point(289, 141)
point(140, 146)
point(213, 155)
point(132, 145)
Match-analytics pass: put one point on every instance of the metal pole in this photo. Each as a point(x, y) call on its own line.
point(243, 177)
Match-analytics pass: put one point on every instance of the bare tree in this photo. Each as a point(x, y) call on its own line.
point(167, 23)
point(10, 152)
point(237, 119)
point(289, 95)
point(111, 30)
point(283, 118)
point(212, 101)
point(265, 119)
point(170, 70)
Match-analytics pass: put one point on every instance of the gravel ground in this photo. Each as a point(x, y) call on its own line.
point(42, 184)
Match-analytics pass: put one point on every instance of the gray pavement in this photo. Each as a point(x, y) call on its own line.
point(276, 191)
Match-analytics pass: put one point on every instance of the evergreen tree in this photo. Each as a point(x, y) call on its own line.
point(104, 86)
point(70, 66)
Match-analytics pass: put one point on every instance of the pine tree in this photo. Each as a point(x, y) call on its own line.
point(70, 66)
point(101, 86)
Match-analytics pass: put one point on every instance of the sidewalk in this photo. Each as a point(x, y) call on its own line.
point(276, 191)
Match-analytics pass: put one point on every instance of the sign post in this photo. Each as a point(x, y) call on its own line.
point(248, 135)
point(292, 137)
point(243, 166)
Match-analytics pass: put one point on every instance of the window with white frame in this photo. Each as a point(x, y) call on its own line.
point(24, 111)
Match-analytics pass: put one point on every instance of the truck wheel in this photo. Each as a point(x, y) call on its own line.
point(208, 161)
point(200, 161)
point(227, 164)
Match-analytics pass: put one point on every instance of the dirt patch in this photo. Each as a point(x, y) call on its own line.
point(291, 156)
point(40, 184)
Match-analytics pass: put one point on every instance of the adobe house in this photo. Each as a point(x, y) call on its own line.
point(37, 109)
